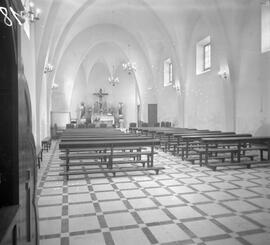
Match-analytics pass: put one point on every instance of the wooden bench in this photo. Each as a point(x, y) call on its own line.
point(245, 163)
point(113, 171)
point(190, 139)
point(46, 143)
point(109, 154)
point(131, 149)
point(244, 144)
point(222, 158)
point(104, 156)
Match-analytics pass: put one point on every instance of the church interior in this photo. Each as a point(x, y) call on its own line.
point(135, 121)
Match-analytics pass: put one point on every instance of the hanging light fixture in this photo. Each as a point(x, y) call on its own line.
point(48, 68)
point(130, 67)
point(113, 80)
point(31, 13)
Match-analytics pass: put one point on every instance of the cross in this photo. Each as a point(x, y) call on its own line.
point(100, 95)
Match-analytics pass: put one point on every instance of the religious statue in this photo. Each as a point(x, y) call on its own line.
point(120, 109)
point(82, 110)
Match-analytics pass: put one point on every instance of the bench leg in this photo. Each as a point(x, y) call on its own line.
point(139, 156)
point(248, 165)
point(183, 153)
point(110, 162)
point(67, 165)
point(261, 155)
point(200, 159)
point(232, 157)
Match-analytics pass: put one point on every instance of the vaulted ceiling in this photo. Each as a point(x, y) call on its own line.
point(75, 34)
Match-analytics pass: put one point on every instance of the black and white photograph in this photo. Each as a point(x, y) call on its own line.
point(135, 122)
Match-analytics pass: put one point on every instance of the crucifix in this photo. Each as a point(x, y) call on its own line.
point(100, 95)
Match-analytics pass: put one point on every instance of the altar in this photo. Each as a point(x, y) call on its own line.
point(101, 113)
point(98, 119)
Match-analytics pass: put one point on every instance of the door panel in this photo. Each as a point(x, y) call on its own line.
point(152, 114)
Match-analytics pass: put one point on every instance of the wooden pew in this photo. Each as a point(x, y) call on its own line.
point(98, 135)
point(191, 139)
point(166, 134)
point(46, 143)
point(95, 138)
point(244, 144)
point(178, 138)
point(111, 155)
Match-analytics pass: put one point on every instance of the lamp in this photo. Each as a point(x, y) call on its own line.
point(48, 68)
point(177, 86)
point(224, 75)
point(113, 80)
point(129, 67)
point(55, 85)
point(31, 13)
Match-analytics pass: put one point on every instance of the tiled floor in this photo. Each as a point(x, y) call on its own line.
point(184, 204)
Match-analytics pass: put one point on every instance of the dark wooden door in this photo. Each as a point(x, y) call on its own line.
point(18, 173)
point(152, 114)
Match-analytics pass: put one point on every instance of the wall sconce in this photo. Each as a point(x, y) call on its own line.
point(48, 68)
point(55, 85)
point(224, 75)
point(176, 86)
point(32, 13)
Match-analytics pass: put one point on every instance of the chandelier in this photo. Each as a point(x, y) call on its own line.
point(113, 80)
point(48, 68)
point(31, 13)
point(129, 67)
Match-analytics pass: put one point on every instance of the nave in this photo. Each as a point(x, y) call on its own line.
point(193, 79)
point(183, 204)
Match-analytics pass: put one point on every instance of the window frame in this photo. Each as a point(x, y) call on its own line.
point(201, 46)
point(207, 65)
point(170, 72)
point(167, 72)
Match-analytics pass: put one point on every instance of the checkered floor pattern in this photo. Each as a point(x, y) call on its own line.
point(184, 204)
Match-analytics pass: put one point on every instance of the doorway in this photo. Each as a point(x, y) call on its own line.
point(152, 114)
